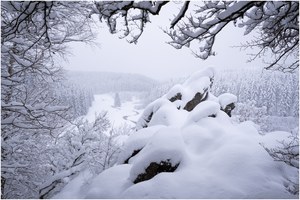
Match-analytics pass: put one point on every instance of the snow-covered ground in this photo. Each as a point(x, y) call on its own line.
point(118, 116)
point(181, 151)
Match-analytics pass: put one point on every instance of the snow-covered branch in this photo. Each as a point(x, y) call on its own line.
point(276, 21)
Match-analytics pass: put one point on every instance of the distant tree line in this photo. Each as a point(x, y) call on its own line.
point(275, 91)
point(39, 153)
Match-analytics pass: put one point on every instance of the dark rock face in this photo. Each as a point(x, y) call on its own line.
point(132, 155)
point(148, 120)
point(178, 96)
point(155, 168)
point(228, 109)
point(196, 100)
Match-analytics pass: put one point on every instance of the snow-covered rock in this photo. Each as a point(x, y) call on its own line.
point(227, 102)
point(182, 97)
point(197, 153)
point(204, 109)
point(136, 142)
point(226, 99)
point(166, 145)
point(217, 159)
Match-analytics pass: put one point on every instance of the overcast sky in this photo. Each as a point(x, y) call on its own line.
point(152, 56)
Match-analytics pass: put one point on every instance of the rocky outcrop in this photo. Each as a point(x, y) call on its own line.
point(155, 168)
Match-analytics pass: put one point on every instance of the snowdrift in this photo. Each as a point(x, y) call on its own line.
point(186, 146)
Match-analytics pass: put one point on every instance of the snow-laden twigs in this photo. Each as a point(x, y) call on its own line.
point(277, 23)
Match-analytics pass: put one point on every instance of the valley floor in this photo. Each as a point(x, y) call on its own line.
point(118, 116)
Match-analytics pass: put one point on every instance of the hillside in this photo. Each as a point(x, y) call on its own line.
point(104, 82)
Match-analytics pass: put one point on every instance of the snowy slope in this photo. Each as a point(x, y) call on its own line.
point(215, 163)
point(205, 155)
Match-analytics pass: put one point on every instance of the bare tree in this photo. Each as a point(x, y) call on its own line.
point(276, 21)
point(32, 34)
point(287, 151)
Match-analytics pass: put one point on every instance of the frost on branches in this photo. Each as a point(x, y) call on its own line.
point(32, 34)
point(186, 146)
point(199, 23)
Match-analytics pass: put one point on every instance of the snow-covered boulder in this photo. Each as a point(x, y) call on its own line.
point(194, 153)
point(136, 143)
point(183, 97)
point(227, 102)
point(163, 153)
point(149, 111)
point(204, 109)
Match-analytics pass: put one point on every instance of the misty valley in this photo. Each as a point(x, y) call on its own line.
point(106, 109)
point(149, 99)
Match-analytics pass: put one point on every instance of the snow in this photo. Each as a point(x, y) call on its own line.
point(166, 144)
point(216, 157)
point(109, 183)
point(226, 99)
point(137, 141)
point(125, 114)
point(163, 111)
point(174, 91)
point(60, 176)
point(217, 160)
point(167, 115)
point(151, 108)
point(204, 109)
point(206, 72)
point(232, 9)
point(24, 62)
point(76, 188)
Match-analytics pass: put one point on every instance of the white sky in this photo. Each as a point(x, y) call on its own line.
point(152, 56)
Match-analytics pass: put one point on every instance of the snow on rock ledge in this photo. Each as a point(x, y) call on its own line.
point(183, 97)
point(135, 143)
point(194, 153)
point(227, 102)
point(166, 147)
point(204, 109)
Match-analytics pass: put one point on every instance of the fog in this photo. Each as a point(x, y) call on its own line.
point(152, 56)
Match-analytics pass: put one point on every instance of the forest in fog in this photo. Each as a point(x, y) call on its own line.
point(216, 133)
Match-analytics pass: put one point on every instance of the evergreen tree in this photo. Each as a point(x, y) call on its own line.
point(117, 100)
